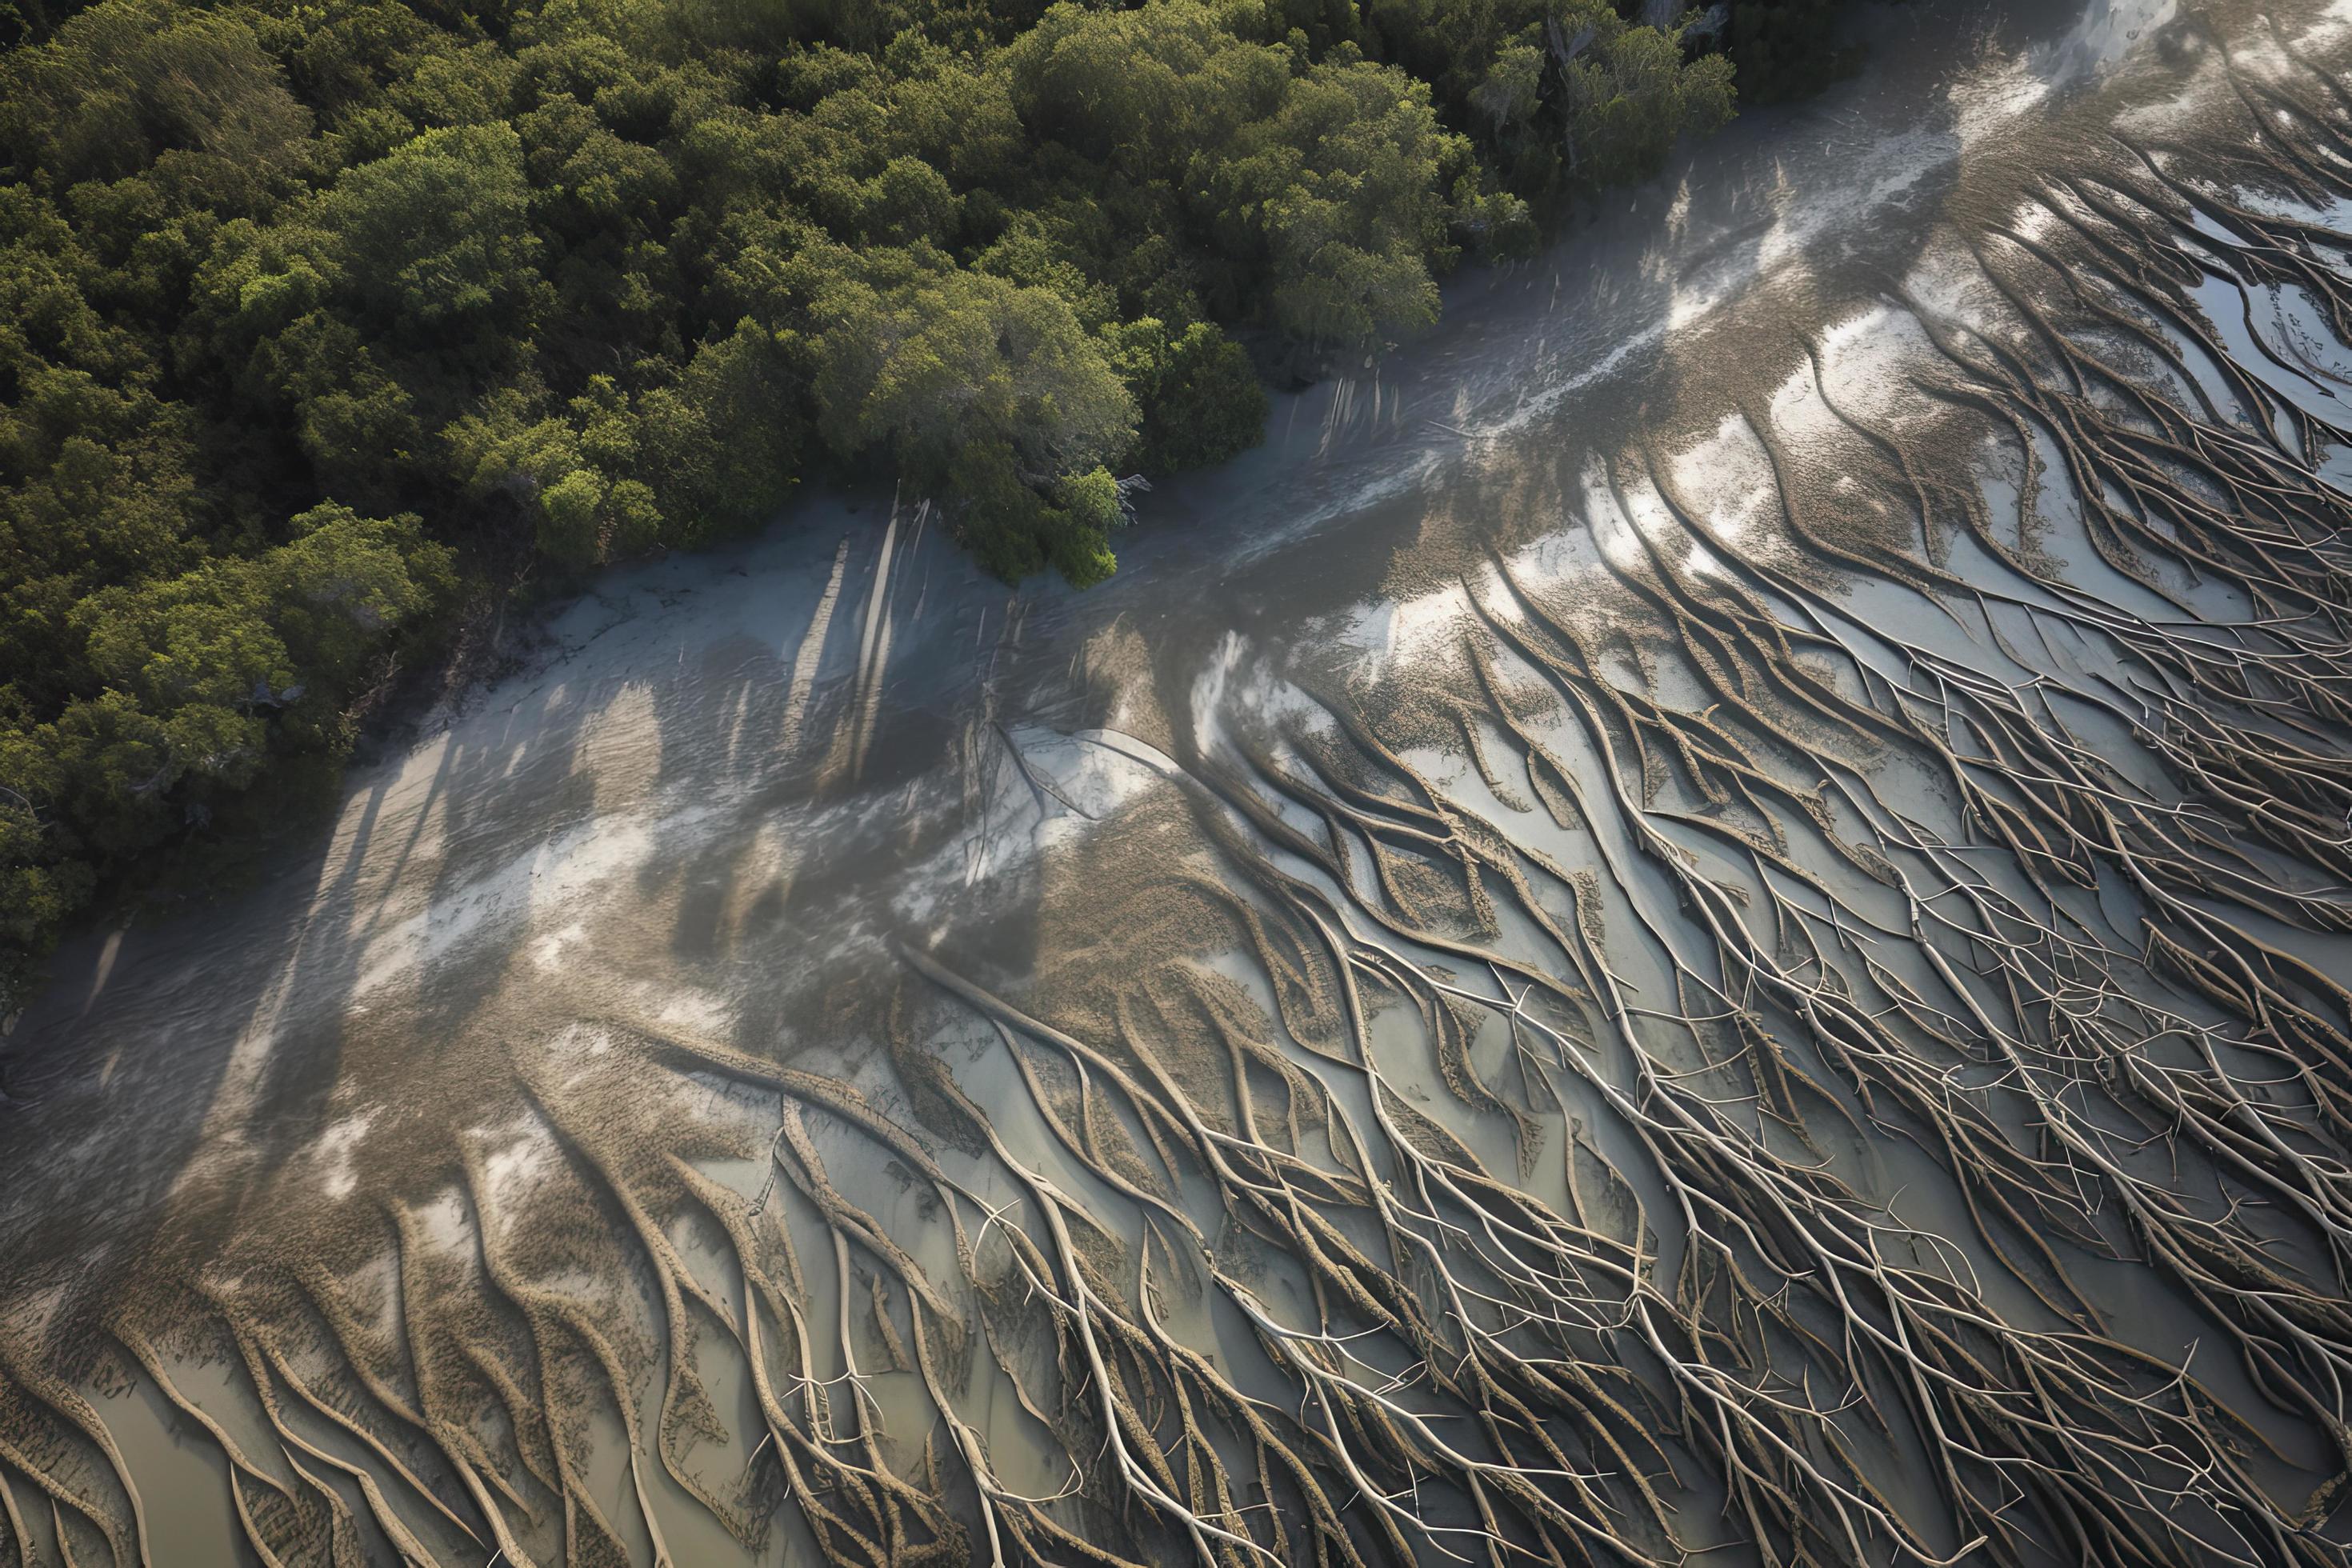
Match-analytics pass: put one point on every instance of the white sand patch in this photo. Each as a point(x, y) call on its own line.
point(333, 1153)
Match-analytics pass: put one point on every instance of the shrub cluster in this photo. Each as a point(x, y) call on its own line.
point(312, 310)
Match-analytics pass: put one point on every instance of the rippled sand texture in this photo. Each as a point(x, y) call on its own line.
point(1747, 956)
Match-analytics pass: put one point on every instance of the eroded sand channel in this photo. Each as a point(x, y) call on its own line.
point(1708, 917)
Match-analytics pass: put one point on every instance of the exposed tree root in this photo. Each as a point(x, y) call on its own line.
point(1777, 1046)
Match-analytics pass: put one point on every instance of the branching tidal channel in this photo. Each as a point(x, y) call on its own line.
point(1805, 1019)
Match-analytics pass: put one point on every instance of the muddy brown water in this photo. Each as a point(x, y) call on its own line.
point(588, 1137)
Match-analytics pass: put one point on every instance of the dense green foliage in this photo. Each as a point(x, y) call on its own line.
point(313, 310)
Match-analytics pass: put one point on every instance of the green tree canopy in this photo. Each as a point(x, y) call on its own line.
point(437, 231)
point(571, 280)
